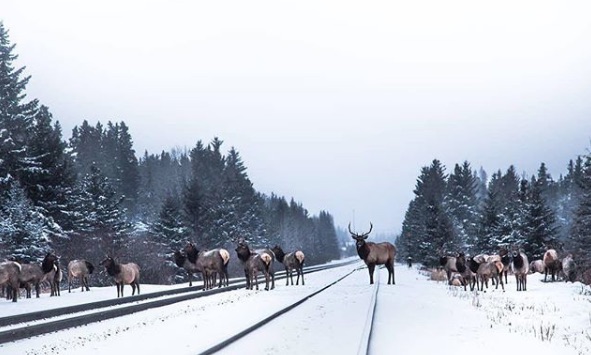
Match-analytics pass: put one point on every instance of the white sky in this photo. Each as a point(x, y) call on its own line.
point(336, 103)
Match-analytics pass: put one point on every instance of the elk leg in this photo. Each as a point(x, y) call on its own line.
point(371, 268)
point(390, 268)
point(302, 272)
point(286, 277)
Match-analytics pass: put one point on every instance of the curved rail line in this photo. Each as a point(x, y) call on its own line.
point(265, 321)
point(186, 293)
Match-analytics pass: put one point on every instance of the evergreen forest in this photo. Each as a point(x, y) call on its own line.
point(467, 211)
point(92, 196)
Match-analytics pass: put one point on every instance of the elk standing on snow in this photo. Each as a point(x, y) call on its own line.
point(254, 262)
point(569, 268)
point(79, 269)
point(9, 276)
point(551, 264)
point(375, 254)
point(182, 261)
point(210, 263)
point(520, 267)
point(124, 274)
point(291, 261)
point(53, 274)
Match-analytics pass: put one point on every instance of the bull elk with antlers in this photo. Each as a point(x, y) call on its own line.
point(375, 254)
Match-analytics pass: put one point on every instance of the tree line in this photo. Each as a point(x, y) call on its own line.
point(469, 212)
point(91, 196)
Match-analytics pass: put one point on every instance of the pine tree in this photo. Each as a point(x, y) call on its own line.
point(16, 117)
point(540, 222)
point(489, 224)
point(169, 232)
point(50, 186)
point(102, 227)
point(580, 236)
point(429, 194)
point(462, 204)
point(23, 228)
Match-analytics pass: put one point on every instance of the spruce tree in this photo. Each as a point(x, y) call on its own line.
point(169, 232)
point(16, 117)
point(23, 228)
point(580, 236)
point(462, 204)
point(540, 222)
point(102, 226)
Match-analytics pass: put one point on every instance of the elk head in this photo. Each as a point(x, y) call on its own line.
point(360, 238)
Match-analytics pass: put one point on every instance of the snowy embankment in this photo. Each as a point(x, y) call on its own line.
point(416, 316)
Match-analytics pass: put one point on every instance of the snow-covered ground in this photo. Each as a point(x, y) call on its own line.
point(416, 316)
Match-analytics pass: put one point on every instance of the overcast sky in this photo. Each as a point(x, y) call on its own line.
point(335, 103)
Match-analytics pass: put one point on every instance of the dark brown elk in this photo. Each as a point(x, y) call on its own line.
point(291, 261)
point(123, 274)
point(468, 277)
point(255, 262)
point(520, 267)
point(9, 276)
point(79, 269)
point(210, 263)
point(375, 254)
point(506, 260)
point(53, 274)
point(182, 261)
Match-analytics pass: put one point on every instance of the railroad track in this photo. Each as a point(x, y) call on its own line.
point(117, 307)
point(365, 337)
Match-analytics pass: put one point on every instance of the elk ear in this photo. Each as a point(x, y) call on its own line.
point(365, 236)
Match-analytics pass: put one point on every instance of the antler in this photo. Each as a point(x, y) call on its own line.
point(362, 235)
point(370, 228)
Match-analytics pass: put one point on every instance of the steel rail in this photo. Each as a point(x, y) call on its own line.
point(28, 331)
point(258, 325)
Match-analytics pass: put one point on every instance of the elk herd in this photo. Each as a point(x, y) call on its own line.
point(211, 264)
point(476, 271)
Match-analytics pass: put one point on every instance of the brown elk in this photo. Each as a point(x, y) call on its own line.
point(9, 276)
point(291, 261)
point(79, 269)
point(375, 254)
point(123, 274)
point(209, 263)
point(255, 261)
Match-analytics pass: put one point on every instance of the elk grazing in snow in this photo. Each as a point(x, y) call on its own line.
point(375, 254)
point(536, 266)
